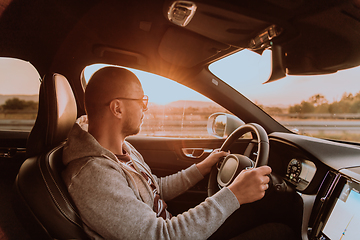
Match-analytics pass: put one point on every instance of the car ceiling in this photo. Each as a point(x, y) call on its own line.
point(318, 36)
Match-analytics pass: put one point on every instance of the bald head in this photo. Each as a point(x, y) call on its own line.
point(107, 84)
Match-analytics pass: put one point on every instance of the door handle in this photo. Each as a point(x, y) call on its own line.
point(196, 152)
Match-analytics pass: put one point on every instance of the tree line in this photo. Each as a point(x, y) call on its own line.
point(19, 104)
point(348, 103)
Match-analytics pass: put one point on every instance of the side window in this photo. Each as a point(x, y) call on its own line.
point(174, 110)
point(19, 89)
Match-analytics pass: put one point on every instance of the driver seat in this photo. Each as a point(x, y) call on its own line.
point(42, 202)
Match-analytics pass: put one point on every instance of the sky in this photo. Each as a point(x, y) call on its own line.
point(245, 71)
point(18, 77)
point(249, 77)
point(170, 91)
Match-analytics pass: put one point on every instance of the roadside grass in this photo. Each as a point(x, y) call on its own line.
point(18, 116)
point(343, 136)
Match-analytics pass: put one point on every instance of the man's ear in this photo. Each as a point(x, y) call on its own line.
point(116, 108)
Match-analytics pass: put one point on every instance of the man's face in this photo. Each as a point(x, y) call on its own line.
point(133, 111)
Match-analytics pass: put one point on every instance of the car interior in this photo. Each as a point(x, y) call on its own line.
point(178, 40)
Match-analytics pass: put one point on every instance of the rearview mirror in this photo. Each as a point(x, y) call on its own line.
point(221, 125)
point(277, 65)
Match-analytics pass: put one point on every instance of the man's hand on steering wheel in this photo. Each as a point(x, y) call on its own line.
point(250, 184)
point(206, 165)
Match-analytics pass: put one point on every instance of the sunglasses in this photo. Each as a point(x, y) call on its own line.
point(144, 101)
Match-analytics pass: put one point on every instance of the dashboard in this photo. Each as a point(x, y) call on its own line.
point(330, 172)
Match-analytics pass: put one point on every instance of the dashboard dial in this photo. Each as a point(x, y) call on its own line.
point(294, 170)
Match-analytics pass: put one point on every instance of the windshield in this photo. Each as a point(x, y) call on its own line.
point(325, 106)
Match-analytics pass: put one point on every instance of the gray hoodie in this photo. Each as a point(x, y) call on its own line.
point(116, 202)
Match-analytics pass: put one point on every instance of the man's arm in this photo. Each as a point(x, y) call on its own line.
point(176, 184)
point(248, 186)
point(109, 206)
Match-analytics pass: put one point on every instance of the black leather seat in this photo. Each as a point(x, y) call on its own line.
point(42, 202)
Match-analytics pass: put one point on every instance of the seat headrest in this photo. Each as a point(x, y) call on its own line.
point(56, 115)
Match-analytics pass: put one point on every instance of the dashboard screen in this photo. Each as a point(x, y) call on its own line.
point(344, 221)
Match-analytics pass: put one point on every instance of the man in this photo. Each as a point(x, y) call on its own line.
point(113, 188)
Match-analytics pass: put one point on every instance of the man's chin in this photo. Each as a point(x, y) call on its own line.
point(135, 132)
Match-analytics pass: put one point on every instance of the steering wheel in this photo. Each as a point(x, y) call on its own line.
point(238, 161)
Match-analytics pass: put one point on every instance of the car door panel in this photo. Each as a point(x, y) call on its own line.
point(12, 155)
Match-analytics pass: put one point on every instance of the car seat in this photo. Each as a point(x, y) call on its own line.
point(42, 202)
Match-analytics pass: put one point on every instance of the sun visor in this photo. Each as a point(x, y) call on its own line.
point(187, 49)
point(220, 24)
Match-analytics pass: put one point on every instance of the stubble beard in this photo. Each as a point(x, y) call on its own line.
point(130, 129)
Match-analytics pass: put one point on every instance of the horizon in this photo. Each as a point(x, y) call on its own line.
point(202, 102)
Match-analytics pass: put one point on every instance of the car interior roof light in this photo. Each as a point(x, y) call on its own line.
point(181, 12)
point(263, 40)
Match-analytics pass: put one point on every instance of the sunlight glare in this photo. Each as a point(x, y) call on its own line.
point(154, 86)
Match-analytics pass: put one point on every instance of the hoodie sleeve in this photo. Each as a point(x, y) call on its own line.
point(109, 207)
point(176, 184)
point(173, 185)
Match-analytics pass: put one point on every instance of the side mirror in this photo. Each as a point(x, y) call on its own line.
point(221, 125)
